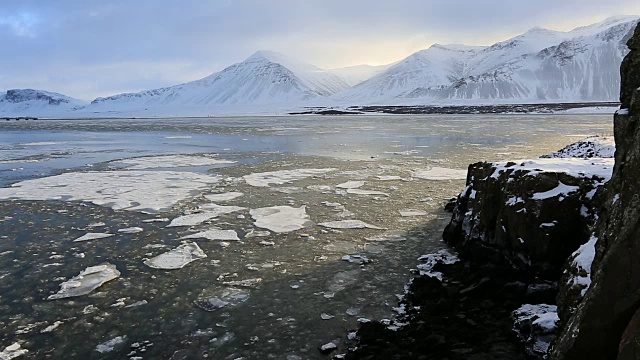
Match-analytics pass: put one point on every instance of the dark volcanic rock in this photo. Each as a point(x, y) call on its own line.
point(606, 324)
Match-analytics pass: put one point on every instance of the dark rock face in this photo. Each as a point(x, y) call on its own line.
point(606, 325)
point(507, 215)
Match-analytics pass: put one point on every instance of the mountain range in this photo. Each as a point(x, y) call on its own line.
point(538, 66)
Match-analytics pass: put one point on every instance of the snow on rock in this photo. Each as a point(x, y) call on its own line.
point(576, 167)
point(92, 236)
point(443, 256)
point(282, 176)
point(349, 224)
point(215, 234)
point(440, 173)
point(223, 196)
point(30, 102)
point(176, 258)
point(110, 345)
point(12, 351)
point(88, 280)
point(144, 191)
point(560, 190)
point(207, 212)
point(536, 326)
point(581, 262)
point(281, 219)
point(593, 147)
point(170, 161)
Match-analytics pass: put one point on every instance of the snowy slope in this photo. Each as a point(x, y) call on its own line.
point(30, 102)
point(539, 65)
point(354, 75)
point(264, 78)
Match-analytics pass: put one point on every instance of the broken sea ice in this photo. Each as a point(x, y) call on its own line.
point(281, 219)
point(176, 258)
point(88, 280)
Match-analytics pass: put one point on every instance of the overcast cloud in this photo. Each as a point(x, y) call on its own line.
point(86, 48)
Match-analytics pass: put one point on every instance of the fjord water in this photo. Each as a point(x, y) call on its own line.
point(307, 295)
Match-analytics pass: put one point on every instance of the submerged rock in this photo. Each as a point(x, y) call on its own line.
point(88, 280)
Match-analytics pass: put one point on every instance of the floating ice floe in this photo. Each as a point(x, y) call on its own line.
point(440, 173)
point(12, 351)
point(176, 258)
point(394, 235)
point(351, 185)
point(282, 177)
point(209, 211)
point(325, 316)
point(171, 161)
point(357, 259)
point(215, 234)
point(281, 219)
point(109, 346)
point(243, 283)
point(388, 177)
point(221, 298)
point(412, 212)
point(349, 224)
point(257, 233)
point(88, 280)
point(224, 196)
point(155, 220)
point(92, 236)
point(443, 256)
point(366, 192)
point(145, 191)
point(131, 230)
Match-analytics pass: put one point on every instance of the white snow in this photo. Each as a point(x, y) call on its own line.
point(443, 256)
point(170, 161)
point(177, 258)
point(215, 234)
point(281, 219)
point(282, 176)
point(576, 167)
point(348, 224)
point(439, 173)
point(92, 236)
point(560, 190)
point(593, 147)
point(145, 191)
point(224, 196)
point(88, 280)
point(582, 260)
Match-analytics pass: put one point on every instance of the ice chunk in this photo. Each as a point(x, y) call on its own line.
point(328, 347)
point(92, 236)
point(131, 230)
point(412, 212)
point(243, 283)
point(281, 219)
point(88, 280)
point(110, 345)
point(348, 224)
point(171, 161)
point(439, 173)
point(388, 177)
point(365, 192)
point(145, 191)
point(215, 234)
point(224, 196)
point(357, 259)
point(282, 177)
point(257, 233)
point(209, 211)
point(220, 298)
point(12, 351)
point(177, 258)
point(351, 185)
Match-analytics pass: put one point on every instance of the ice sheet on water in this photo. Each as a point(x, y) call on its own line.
point(146, 191)
point(12, 351)
point(92, 236)
point(281, 219)
point(412, 212)
point(88, 280)
point(110, 345)
point(282, 176)
point(366, 192)
point(209, 211)
point(388, 177)
point(218, 298)
point(176, 258)
point(171, 161)
point(215, 234)
point(131, 230)
point(351, 185)
point(349, 224)
point(224, 196)
point(439, 173)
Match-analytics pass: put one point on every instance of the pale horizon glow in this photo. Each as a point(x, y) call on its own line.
point(88, 49)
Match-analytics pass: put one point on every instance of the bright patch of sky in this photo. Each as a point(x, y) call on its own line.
point(90, 48)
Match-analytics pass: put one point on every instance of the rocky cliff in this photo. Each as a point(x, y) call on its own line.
point(606, 324)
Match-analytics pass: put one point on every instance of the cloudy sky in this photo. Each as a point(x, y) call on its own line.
point(87, 48)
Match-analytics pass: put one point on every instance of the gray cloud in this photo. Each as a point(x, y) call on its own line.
point(87, 48)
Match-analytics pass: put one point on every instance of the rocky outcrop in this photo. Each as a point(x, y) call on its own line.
point(531, 214)
point(606, 324)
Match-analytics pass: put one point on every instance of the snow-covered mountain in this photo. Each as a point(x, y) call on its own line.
point(354, 75)
point(265, 78)
point(539, 65)
point(30, 102)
